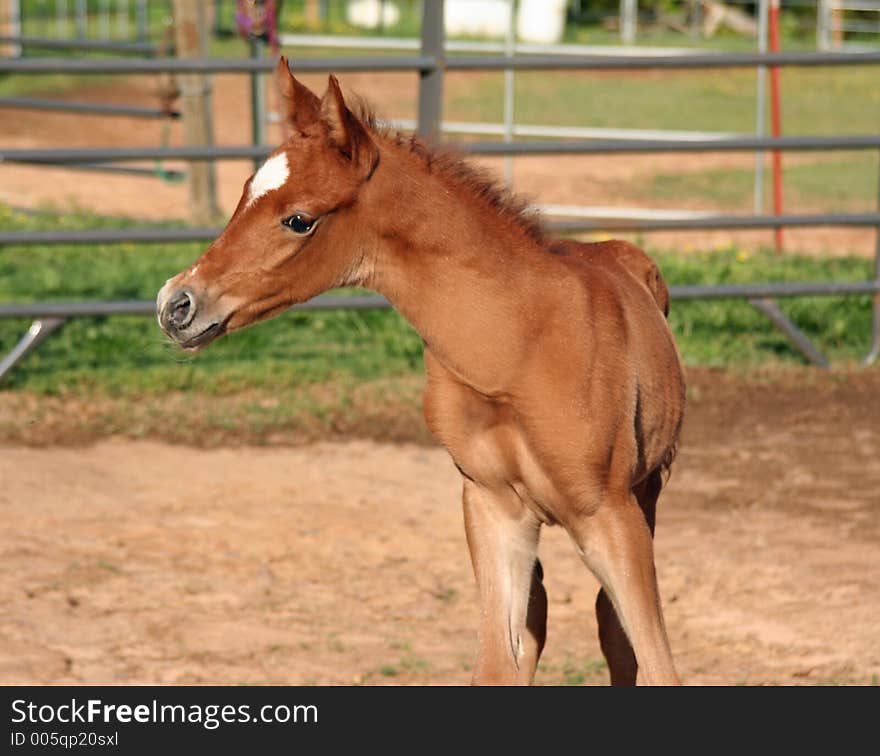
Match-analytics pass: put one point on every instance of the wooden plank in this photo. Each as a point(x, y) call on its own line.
point(10, 26)
point(191, 37)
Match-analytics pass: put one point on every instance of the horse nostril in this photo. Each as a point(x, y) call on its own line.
point(181, 309)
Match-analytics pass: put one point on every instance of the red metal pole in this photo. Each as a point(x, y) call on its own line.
point(776, 119)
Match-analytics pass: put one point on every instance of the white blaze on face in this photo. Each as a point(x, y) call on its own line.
point(272, 175)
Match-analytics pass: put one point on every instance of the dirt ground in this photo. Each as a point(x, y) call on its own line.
point(605, 181)
point(344, 563)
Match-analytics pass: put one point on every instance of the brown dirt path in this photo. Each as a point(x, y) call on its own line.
point(340, 563)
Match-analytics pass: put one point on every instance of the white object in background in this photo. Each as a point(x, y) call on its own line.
point(541, 21)
point(371, 14)
point(476, 18)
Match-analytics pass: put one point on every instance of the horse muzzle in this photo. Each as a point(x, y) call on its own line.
point(179, 315)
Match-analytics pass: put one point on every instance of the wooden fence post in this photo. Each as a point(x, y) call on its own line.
point(191, 39)
point(10, 26)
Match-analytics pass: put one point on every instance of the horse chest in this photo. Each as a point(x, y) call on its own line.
point(488, 446)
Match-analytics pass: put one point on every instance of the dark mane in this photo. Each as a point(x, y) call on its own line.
point(446, 161)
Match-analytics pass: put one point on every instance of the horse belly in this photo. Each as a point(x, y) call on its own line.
point(660, 401)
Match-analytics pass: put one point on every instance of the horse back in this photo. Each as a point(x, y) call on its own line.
point(622, 255)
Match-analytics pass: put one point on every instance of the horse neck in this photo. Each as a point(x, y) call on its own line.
point(453, 266)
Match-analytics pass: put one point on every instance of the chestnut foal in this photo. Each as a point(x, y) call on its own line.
point(552, 377)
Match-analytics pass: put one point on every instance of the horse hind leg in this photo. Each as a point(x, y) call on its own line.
point(536, 623)
point(503, 543)
point(615, 645)
point(615, 543)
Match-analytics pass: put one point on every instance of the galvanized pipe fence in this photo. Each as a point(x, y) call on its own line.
point(430, 65)
point(92, 108)
point(29, 41)
point(21, 42)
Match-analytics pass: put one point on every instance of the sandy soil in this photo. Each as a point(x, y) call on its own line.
point(145, 562)
point(575, 180)
point(342, 563)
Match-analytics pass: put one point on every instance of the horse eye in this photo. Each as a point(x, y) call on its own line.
point(299, 224)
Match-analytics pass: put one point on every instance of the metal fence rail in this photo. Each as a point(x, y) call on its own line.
point(48, 317)
point(734, 144)
point(479, 46)
point(636, 62)
point(432, 61)
point(81, 66)
point(806, 220)
point(130, 170)
point(84, 45)
point(40, 310)
point(536, 147)
point(94, 108)
point(431, 65)
point(170, 235)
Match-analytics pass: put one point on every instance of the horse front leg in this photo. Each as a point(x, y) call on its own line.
point(503, 542)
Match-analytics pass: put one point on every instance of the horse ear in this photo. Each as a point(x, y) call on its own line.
point(303, 108)
point(345, 131)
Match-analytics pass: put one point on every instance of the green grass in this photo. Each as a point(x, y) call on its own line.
point(408, 666)
point(573, 671)
point(814, 100)
point(733, 333)
point(128, 356)
point(46, 84)
point(39, 19)
point(832, 185)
